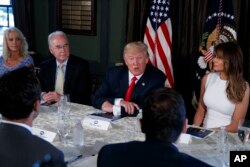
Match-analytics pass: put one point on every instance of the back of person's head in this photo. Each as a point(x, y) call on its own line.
point(24, 44)
point(19, 90)
point(164, 115)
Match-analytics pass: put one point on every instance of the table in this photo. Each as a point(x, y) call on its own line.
point(122, 130)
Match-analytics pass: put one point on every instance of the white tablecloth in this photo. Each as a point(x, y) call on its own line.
point(122, 130)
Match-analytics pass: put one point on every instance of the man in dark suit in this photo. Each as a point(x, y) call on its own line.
point(19, 100)
point(164, 118)
point(76, 74)
point(111, 96)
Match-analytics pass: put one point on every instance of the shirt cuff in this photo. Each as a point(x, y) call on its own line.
point(117, 101)
point(41, 96)
point(116, 110)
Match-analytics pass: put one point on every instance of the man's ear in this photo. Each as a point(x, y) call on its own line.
point(36, 105)
point(185, 126)
point(51, 50)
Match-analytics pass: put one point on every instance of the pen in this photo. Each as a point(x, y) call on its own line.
point(73, 159)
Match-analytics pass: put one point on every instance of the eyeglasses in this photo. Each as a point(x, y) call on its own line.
point(65, 46)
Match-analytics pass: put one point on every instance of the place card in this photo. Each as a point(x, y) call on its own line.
point(184, 138)
point(44, 134)
point(96, 123)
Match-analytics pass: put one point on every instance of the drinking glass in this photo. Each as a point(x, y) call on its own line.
point(64, 104)
point(243, 132)
point(63, 127)
point(65, 97)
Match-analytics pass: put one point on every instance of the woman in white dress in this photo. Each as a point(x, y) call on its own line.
point(224, 92)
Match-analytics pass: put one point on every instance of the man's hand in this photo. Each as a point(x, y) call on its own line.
point(108, 107)
point(129, 106)
point(51, 97)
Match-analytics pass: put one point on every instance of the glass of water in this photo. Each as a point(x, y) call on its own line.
point(64, 104)
point(63, 126)
point(243, 132)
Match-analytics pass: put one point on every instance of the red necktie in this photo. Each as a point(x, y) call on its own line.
point(130, 89)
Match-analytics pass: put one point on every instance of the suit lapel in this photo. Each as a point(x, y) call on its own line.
point(141, 84)
point(52, 74)
point(124, 82)
point(68, 73)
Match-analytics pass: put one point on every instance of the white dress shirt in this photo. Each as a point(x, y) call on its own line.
point(117, 106)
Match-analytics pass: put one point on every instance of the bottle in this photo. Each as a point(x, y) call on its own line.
point(78, 138)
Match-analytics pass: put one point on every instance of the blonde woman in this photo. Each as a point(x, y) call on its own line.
point(15, 51)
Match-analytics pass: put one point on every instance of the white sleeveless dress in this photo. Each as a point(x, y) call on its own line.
point(219, 108)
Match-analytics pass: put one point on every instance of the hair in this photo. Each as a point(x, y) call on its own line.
point(136, 46)
point(56, 33)
point(164, 115)
point(233, 60)
point(24, 44)
point(19, 89)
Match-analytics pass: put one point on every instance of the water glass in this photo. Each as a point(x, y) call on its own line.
point(223, 146)
point(243, 133)
point(64, 104)
point(65, 97)
point(63, 126)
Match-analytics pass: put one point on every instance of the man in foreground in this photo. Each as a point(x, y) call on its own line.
point(19, 101)
point(164, 118)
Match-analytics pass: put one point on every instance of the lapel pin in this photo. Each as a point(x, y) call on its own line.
point(143, 84)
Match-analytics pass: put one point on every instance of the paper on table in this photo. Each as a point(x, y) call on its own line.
point(97, 123)
point(184, 138)
point(44, 134)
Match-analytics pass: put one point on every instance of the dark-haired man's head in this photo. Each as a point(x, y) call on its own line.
point(19, 94)
point(164, 115)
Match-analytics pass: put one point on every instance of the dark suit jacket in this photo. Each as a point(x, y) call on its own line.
point(18, 147)
point(77, 79)
point(116, 84)
point(145, 154)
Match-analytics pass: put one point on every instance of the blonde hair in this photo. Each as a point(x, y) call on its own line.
point(24, 45)
point(136, 46)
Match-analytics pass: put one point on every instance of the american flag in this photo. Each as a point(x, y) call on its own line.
point(158, 37)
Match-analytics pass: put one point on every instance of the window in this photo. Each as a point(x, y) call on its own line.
point(77, 16)
point(6, 19)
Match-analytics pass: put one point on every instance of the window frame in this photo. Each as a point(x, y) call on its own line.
point(3, 27)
